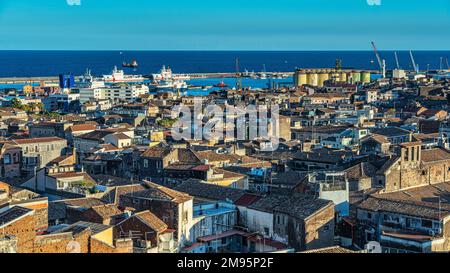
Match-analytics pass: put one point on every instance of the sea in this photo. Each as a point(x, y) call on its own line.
point(52, 63)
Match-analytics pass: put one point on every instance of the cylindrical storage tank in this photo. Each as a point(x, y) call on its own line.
point(302, 78)
point(323, 76)
point(343, 76)
point(365, 77)
point(356, 77)
point(335, 76)
point(313, 78)
point(295, 77)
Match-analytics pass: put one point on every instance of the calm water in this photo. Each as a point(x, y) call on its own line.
point(51, 63)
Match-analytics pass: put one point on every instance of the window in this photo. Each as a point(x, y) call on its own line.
point(369, 215)
point(7, 159)
point(145, 163)
point(326, 227)
point(427, 223)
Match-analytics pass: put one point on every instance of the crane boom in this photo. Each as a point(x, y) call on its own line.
point(238, 76)
point(416, 69)
point(396, 60)
point(378, 56)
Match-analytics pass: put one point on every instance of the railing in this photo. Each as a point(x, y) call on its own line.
point(333, 187)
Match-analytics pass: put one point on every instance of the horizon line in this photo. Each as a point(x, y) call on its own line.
point(229, 50)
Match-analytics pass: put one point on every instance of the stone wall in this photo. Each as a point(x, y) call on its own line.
point(319, 229)
point(122, 246)
point(58, 243)
point(403, 175)
point(8, 245)
point(24, 230)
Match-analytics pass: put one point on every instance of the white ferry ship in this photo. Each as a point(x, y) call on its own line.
point(166, 74)
point(119, 76)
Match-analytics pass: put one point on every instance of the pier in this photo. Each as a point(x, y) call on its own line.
point(55, 79)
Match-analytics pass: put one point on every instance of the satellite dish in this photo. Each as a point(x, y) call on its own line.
point(73, 247)
point(373, 247)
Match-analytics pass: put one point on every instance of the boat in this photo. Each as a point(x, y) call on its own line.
point(220, 84)
point(262, 76)
point(119, 76)
point(167, 74)
point(171, 85)
point(89, 81)
point(133, 64)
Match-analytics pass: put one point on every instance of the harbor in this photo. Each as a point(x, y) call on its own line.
point(54, 79)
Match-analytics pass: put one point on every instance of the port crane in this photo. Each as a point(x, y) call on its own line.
point(238, 76)
point(396, 60)
point(381, 63)
point(415, 67)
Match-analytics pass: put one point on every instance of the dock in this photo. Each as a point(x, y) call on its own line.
point(55, 79)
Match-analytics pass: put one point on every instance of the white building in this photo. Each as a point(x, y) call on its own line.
point(119, 91)
point(399, 74)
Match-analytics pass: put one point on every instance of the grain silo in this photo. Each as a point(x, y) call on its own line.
point(356, 76)
point(323, 77)
point(343, 76)
point(365, 75)
point(300, 77)
point(312, 78)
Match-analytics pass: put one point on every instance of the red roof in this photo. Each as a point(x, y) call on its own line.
point(38, 140)
point(203, 168)
point(83, 127)
point(247, 199)
point(193, 246)
point(221, 235)
point(268, 242)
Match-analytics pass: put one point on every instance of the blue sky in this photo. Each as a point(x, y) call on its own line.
point(224, 25)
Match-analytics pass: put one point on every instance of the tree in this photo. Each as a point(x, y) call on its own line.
point(16, 103)
point(167, 122)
